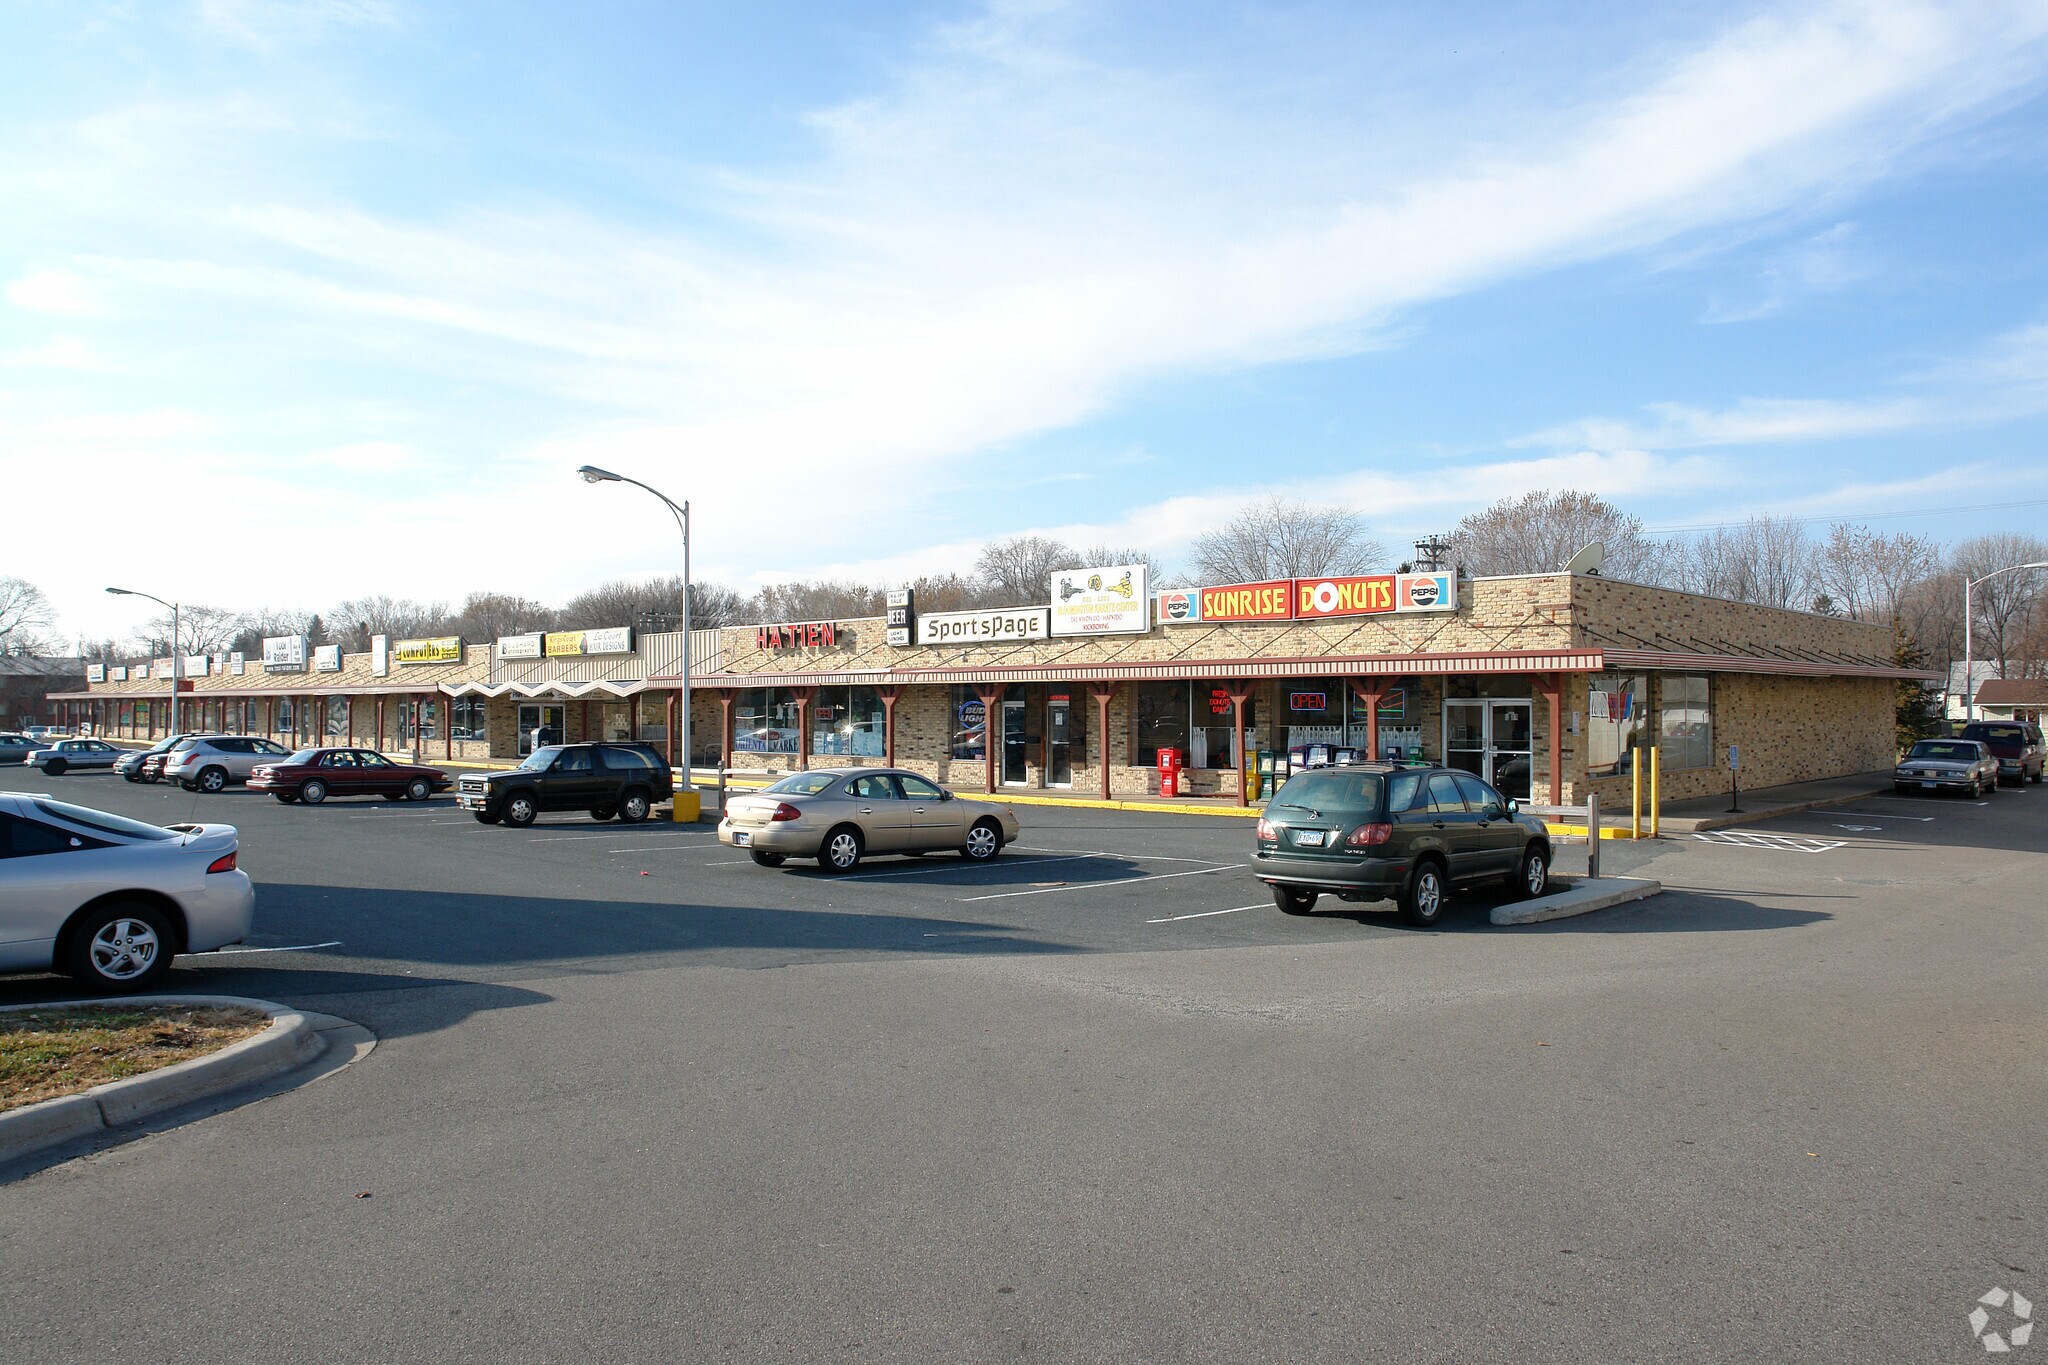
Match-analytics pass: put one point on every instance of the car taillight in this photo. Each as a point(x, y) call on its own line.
point(224, 863)
point(1266, 830)
point(1369, 836)
point(785, 811)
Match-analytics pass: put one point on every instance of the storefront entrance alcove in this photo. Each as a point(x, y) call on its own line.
point(1492, 739)
point(532, 716)
point(1059, 749)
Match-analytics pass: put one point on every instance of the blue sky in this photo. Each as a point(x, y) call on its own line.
point(330, 298)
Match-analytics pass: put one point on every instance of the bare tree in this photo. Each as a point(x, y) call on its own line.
point(821, 601)
point(201, 629)
point(26, 618)
point(357, 619)
point(950, 592)
point(2002, 604)
point(265, 622)
point(1279, 538)
point(713, 605)
point(1539, 532)
point(1769, 561)
point(1019, 570)
point(1931, 611)
point(486, 616)
point(1868, 575)
point(1101, 555)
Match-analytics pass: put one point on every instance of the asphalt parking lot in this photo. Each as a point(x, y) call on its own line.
point(637, 1098)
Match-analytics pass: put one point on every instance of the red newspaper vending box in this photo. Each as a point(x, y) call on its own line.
point(1169, 772)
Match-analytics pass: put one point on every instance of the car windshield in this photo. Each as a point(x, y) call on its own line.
point(541, 759)
point(1332, 790)
point(805, 784)
point(163, 744)
point(103, 822)
point(1997, 734)
point(304, 756)
point(1948, 749)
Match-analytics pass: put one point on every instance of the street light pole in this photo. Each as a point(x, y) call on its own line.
point(1969, 620)
point(681, 511)
point(177, 662)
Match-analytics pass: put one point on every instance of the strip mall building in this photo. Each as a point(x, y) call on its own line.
point(1544, 684)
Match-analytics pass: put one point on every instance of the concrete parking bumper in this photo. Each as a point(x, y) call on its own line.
point(292, 1040)
point(1579, 899)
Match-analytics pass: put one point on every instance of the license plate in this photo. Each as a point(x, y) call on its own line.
point(741, 838)
point(1310, 838)
point(1926, 784)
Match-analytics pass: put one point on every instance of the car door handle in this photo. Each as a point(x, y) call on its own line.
point(917, 810)
point(1438, 823)
point(867, 810)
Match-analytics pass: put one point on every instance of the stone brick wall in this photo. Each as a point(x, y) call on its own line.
point(1607, 611)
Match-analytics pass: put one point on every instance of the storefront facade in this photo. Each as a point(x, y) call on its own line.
point(1549, 686)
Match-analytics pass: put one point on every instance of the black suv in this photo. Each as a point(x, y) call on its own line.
point(623, 780)
point(1374, 831)
point(2016, 744)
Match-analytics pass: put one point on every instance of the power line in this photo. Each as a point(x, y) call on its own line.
point(1866, 516)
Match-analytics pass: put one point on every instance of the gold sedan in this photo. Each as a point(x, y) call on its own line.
point(840, 815)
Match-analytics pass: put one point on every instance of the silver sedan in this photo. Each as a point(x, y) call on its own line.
point(65, 754)
point(1958, 765)
point(840, 815)
point(111, 900)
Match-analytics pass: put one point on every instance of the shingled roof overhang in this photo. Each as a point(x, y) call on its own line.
point(1174, 670)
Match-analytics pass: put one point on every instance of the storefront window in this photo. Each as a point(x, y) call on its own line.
point(285, 717)
point(1685, 726)
point(1214, 733)
point(847, 720)
point(1162, 720)
point(469, 718)
point(970, 724)
point(1616, 710)
point(764, 721)
point(653, 717)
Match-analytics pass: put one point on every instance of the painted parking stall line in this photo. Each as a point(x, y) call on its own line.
point(1785, 843)
point(292, 948)
point(1098, 886)
point(1210, 914)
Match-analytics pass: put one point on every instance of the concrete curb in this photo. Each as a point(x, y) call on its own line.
point(1581, 899)
point(291, 1041)
point(1683, 825)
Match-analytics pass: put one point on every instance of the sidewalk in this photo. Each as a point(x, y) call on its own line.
point(1711, 812)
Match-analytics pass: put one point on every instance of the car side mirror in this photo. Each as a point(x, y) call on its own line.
point(945, 795)
point(1514, 806)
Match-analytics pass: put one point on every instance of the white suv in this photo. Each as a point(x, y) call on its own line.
point(207, 763)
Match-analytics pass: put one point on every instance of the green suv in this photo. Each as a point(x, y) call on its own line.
point(1374, 832)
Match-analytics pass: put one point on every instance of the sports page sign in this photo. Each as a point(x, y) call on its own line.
point(1004, 626)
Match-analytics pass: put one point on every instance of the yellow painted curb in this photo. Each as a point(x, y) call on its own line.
point(1579, 831)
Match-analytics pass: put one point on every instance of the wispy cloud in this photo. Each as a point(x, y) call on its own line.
point(1823, 263)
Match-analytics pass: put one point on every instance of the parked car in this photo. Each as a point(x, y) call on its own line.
point(42, 734)
point(65, 754)
point(2016, 744)
point(15, 748)
point(208, 763)
point(1376, 831)
point(840, 815)
point(313, 775)
point(146, 765)
point(1963, 765)
point(623, 780)
point(111, 900)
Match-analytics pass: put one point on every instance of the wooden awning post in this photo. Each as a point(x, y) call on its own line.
point(1103, 694)
point(1370, 693)
point(890, 696)
point(1240, 693)
point(804, 697)
point(991, 719)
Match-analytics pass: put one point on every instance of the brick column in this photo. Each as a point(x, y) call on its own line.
point(1551, 686)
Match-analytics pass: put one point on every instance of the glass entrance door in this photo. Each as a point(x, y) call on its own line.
point(1014, 749)
point(1059, 758)
point(539, 715)
point(1491, 740)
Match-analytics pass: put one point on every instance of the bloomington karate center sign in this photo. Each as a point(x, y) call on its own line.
point(1110, 601)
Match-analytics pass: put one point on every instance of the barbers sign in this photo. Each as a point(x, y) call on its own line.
point(1007, 626)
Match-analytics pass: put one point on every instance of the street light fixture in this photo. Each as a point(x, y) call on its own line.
point(176, 659)
point(592, 474)
point(1969, 617)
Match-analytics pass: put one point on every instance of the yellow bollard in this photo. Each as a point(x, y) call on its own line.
point(1656, 802)
point(1635, 814)
point(689, 805)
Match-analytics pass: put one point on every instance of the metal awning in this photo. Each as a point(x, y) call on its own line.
point(1177, 670)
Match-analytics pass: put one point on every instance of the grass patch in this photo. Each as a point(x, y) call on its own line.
point(48, 1053)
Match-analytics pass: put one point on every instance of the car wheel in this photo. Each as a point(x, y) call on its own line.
point(284, 798)
point(1532, 878)
point(484, 817)
point(984, 842)
point(419, 789)
point(1900, 789)
point(633, 807)
point(55, 767)
point(1292, 901)
point(120, 947)
point(521, 808)
point(1422, 903)
point(768, 859)
point(602, 813)
point(130, 777)
point(841, 850)
point(212, 780)
point(2037, 777)
point(313, 791)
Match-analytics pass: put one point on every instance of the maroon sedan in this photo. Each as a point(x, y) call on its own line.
point(313, 775)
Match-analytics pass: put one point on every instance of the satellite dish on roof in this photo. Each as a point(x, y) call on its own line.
point(1589, 559)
